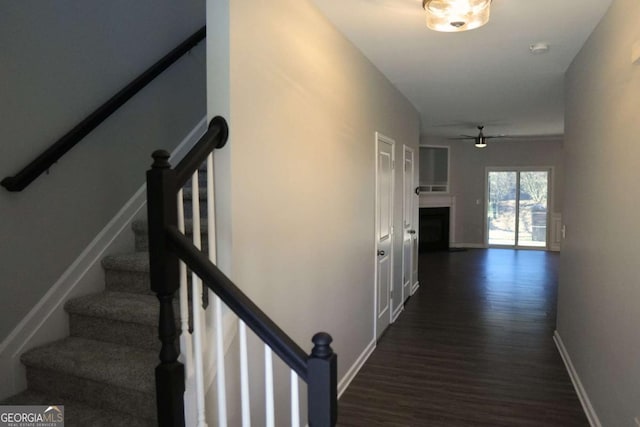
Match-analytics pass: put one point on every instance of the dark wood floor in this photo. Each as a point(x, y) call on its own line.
point(473, 347)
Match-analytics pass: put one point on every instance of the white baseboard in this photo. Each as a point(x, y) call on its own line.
point(396, 313)
point(594, 421)
point(355, 368)
point(47, 320)
point(468, 245)
point(415, 287)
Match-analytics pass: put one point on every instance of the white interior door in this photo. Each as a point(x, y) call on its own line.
point(384, 231)
point(408, 228)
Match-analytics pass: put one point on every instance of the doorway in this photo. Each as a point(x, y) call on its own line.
point(517, 210)
point(385, 159)
point(408, 227)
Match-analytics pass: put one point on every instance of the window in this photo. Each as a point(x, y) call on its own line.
point(434, 169)
point(517, 211)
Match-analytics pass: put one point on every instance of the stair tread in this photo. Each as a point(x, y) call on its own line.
point(78, 414)
point(120, 306)
point(113, 364)
point(134, 261)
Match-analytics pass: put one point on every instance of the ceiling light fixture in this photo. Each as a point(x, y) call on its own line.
point(481, 141)
point(456, 15)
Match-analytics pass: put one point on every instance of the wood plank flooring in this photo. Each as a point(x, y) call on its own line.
point(473, 347)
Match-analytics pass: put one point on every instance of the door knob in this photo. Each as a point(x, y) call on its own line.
point(380, 253)
point(411, 231)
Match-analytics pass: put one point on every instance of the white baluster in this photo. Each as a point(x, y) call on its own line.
point(295, 400)
point(244, 376)
point(211, 240)
point(196, 300)
point(268, 384)
point(185, 337)
point(211, 211)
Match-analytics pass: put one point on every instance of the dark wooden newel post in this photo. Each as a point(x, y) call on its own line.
point(164, 272)
point(322, 382)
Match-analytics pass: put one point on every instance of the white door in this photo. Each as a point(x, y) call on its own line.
point(407, 224)
point(384, 231)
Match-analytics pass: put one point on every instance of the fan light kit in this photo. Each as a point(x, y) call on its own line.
point(456, 15)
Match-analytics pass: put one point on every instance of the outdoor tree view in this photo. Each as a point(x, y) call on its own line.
point(524, 208)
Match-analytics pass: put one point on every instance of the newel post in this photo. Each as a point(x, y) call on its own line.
point(322, 382)
point(164, 273)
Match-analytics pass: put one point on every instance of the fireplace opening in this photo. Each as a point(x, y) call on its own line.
point(434, 229)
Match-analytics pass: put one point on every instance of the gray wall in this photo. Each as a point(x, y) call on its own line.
point(59, 60)
point(598, 312)
point(467, 176)
point(304, 108)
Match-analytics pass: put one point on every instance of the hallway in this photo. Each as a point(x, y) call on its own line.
point(473, 347)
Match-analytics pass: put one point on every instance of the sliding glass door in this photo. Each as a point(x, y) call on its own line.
point(517, 213)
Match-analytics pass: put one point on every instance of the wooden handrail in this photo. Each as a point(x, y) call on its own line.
point(239, 303)
point(215, 137)
point(51, 155)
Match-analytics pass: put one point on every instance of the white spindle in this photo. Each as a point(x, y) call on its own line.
point(295, 400)
point(185, 336)
point(211, 240)
point(244, 376)
point(268, 384)
point(196, 300)
point(211, 211)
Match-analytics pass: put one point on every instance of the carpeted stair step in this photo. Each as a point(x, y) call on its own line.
point(117, 317)
point(127, 273)
point(77, 414)
point(102, 375)
point(141, 231)
point(187, 196)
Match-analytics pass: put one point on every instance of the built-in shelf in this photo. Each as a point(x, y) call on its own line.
point(434, 169)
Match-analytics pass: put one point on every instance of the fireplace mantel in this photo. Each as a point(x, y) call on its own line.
point(437, 201)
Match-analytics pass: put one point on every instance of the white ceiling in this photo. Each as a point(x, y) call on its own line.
point(484, 76)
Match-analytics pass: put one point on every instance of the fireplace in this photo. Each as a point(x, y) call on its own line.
point(434, 229)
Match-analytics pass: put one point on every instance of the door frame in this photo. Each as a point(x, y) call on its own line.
point(550, 194)
point(380, 137)
point(408, 150)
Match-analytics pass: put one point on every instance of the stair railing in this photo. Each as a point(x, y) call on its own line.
point(170, 254)
point(59, 148)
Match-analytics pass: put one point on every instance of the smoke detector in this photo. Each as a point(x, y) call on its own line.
point(538, 48)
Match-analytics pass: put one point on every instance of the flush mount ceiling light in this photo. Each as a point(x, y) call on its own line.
point(456, 15)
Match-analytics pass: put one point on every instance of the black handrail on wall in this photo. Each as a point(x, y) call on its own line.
point(51, 155)
point(167, 245)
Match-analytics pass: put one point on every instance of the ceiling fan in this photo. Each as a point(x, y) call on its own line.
point(481, 138)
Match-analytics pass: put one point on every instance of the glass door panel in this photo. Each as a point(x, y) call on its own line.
point(532, 208)
point(501, 209)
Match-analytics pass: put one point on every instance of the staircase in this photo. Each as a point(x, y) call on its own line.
point(103, 373)
point(106, 373)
